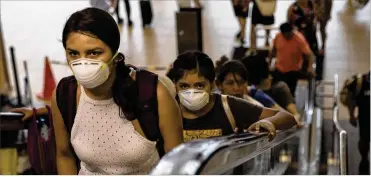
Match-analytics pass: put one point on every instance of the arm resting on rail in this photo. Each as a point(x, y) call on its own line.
point(272, 120)
point(28, 113)
point(281, 120)
point(254, 117)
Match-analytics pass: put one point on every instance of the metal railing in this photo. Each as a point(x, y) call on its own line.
point(254, 154)
point(339, 163)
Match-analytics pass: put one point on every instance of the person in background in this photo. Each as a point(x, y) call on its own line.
point(263, 14)
point(260, 78)
point(323, 12)
point(289, 48)
point(301, 14)
point(106, 135)
point(231, 79)
point(106, 5)
point(128, 12)
point(241, 10)
point(203, 112)
point(357, 90)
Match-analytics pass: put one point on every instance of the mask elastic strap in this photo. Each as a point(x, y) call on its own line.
point(113, 58)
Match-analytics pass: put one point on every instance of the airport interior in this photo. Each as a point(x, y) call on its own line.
point(185, 87)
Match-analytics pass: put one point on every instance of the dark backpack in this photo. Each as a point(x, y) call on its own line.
point(147, 106)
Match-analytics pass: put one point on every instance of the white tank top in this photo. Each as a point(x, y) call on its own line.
point(107, 144)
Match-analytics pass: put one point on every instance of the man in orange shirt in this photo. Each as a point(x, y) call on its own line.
point(290, 47)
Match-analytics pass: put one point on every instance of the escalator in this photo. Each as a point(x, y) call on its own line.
point(287, 153)
point(297, 151)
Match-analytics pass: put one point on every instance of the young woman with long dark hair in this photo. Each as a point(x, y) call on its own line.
point(106, 135)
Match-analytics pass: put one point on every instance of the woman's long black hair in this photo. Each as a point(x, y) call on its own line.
point(192, 60)
point(101, 25)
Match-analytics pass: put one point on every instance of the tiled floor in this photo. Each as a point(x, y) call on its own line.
point(34, 28)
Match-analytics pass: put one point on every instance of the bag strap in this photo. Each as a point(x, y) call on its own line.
point(66, 102)
point(147, 104)
point(228, 111)
point(148, 108)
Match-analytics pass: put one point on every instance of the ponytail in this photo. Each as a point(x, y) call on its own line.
point(125, 90)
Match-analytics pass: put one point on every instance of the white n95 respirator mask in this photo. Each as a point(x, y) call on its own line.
point(90, 73)
point(193, 99)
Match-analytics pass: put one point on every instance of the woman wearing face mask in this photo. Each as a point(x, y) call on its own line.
point(231, 80)
point(203, 114)
point(106, 136)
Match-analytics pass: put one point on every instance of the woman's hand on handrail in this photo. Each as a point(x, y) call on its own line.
point(28, 113)
point(265, 125)
point(261, 126)
point(25, 111)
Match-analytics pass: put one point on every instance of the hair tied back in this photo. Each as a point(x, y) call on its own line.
point(120, 58)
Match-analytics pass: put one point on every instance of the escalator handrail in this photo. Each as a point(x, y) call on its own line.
point(199, 152)
point(284, 136)
point(336, 105)
point(189, 158)
point(343, 162)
